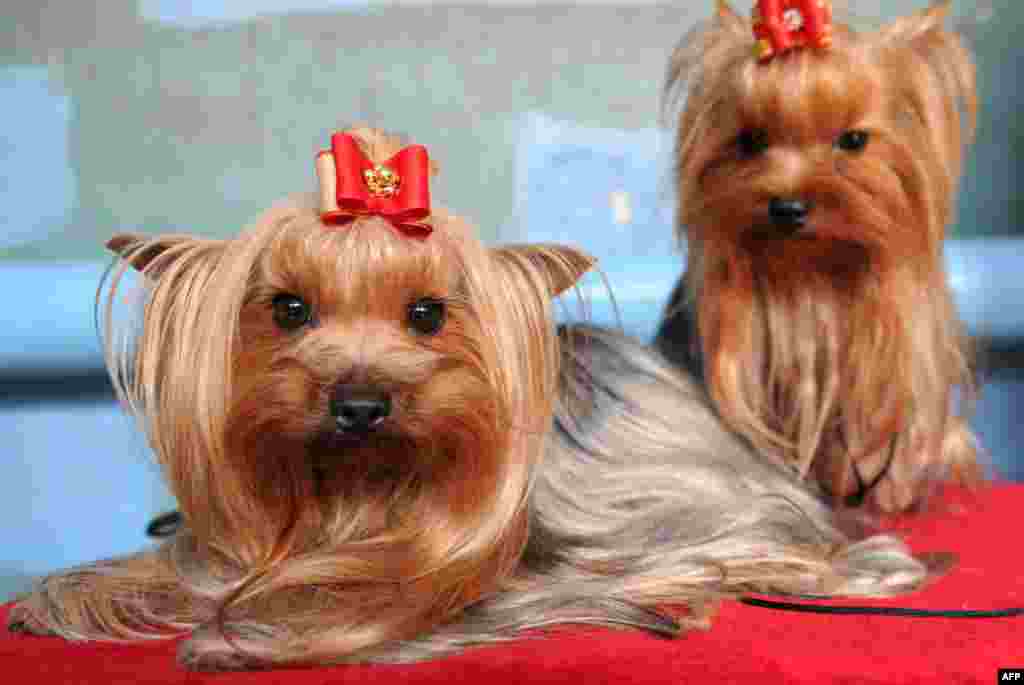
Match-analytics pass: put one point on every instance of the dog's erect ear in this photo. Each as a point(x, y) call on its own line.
point(726, 17)
point(702, 54)
point(916, 27)
point(949, 66)
point(560, 265)
point(140, 251)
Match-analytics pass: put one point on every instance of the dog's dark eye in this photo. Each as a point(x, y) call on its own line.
point(426, 315)
point(290, 311)
point(752, 142)
point(853, 140)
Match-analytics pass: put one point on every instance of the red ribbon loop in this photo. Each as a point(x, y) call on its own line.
point(404, 202)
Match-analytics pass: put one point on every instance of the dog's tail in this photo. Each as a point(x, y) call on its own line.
point(647, 512)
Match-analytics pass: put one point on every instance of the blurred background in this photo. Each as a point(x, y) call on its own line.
point(167, 115)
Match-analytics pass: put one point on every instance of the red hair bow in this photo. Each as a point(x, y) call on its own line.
point(352, 186)
point(782, 25)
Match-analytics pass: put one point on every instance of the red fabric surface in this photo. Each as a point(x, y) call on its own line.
point(745, 645)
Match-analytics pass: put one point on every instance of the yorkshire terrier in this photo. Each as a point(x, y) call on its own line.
point(383, 449)
point(817, 168)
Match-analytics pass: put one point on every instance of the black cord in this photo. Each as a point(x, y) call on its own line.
point(881, 611)
point(857, 498)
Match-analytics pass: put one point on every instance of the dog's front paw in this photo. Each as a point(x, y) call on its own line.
point(22, 621)
point(209, 650)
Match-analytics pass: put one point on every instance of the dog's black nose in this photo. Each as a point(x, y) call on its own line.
point(359, 411)
point(788, 212)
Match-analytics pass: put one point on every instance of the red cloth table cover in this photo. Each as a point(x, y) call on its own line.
point(745, 644)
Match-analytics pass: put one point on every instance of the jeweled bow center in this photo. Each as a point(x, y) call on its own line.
point(793, 19)
point(382, 181)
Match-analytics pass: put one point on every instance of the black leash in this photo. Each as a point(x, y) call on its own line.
point(880, 611)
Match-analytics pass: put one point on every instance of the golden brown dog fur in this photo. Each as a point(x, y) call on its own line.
point(838, 349)
point(523, 478)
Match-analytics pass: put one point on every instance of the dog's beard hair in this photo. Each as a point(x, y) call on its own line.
point(379, 529)
point(839, 351)
point(785, 352)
